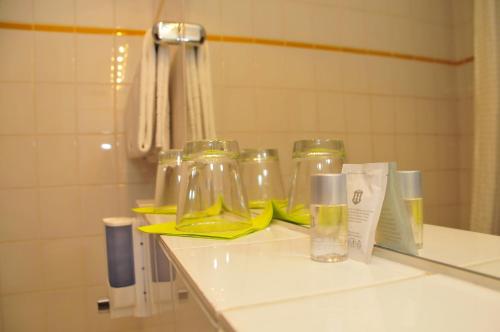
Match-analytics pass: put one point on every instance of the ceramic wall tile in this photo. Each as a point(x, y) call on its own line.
point(16, 11)
point(95, 59)
point(236, 18)
point(268, 18)
point(353, 30)
point(134, 14)
point(54, 57)
point(426, 111)
point(129, 48)
point(98, 159)
point(133, 170)
point(383, 114)
point(406, 117)
point(129, 194)
point(299, 69)
point(358, 114)
point(55, 108)
point(359, 148)
point(427, 152)
point(63, 263)
point(354, 73)
point(384, 148)
point(465, 185)
point(61, 212)
point(466, 148)
point(17, 56)
point(302, 111)
point(98, 202)
point(95, 108)
point(54, 11)
point(238, 65)
point(324, 21)
point(239, 109)
point(327, 70)
point(87, 15)
point(16, 306)
point(96, 272)
point(21, 267)
point(121, 99)
point(406, 152)
point(271, 110)
point(298, 21)
point(66, 311)
point(18, 167)
point(269, 66)
point(17, 114)
point(19, 211)
point(331, 112)
point(104, 323)
point(448, 188)
point(204, 12)
point(64, 149)
point(382, 75)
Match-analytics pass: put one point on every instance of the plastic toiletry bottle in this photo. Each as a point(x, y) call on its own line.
point(328, 207)
point(411, 189)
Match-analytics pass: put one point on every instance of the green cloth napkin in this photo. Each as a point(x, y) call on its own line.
point(299, 216)
point(275, 209)
point(259, 222)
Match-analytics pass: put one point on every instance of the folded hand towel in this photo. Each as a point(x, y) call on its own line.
point(141, 102)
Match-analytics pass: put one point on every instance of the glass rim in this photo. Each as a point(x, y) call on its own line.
point(318, 147)
point(257, 154)
point(211, 148)
point(165, 156)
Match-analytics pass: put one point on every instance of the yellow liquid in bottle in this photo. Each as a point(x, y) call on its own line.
point(415, 208)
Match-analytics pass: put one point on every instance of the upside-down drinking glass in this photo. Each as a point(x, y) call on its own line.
point(168, 177)
point(314, 156)
point(261, 174)
point(211, 197)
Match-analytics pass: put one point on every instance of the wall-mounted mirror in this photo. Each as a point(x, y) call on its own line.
point(411, 81)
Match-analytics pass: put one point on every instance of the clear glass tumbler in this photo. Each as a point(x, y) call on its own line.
point(168, 177)
point(211, 198)
point(314, 156)
point(261, 174)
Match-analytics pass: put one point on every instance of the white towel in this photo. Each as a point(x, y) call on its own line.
point(205, 81)
point(200, 115)
point(162, 137)
point(148, 111)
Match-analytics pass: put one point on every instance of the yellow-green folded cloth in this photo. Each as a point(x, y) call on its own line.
point(259, 222)
point(299, 216)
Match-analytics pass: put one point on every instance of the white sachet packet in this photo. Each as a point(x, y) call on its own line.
point(366, 187)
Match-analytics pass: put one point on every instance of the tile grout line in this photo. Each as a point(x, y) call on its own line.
point(317, 294)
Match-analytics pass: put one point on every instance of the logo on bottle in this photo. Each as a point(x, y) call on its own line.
point(356, 197)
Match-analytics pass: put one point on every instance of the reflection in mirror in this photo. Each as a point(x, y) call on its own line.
point(403, 81)
point(476, 246)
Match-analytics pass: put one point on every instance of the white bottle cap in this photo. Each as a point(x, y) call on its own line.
point(410, 183)
point(328, 189)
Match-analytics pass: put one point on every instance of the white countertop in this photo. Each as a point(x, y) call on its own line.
point(459, 247)
point(266, 282)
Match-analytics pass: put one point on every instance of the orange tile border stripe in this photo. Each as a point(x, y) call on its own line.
point(238, 39)
point(67, 28)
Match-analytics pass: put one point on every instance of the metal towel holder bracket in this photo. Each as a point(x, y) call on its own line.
point(178, 33)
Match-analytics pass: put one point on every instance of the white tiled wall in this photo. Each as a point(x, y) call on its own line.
point(383, 108)
point(61, 106)
point(60, 110)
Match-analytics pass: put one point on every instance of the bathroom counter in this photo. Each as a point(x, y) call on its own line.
point(266, 282)
point(459, 247)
